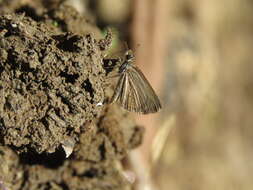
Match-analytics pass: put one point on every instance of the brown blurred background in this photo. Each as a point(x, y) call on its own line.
point(197, 54)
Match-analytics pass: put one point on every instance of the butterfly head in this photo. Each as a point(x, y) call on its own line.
point(129, 56)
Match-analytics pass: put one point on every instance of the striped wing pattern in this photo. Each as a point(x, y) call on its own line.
point(134, 93)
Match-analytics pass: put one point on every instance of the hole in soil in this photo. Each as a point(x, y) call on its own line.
point(88, 87)
point(64, 186)
point(30, 12)
point(69, 78)
point(90, 173)
point(53, 160)
point(25, 67)
point(67, 43)
point(109, 65)
point(102, 151)
point(1, 131)
point(11, 60)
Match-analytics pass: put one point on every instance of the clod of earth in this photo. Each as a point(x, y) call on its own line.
point(51, 83)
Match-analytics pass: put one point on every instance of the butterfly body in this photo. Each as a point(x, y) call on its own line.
point(133, 91)
point(123, 67)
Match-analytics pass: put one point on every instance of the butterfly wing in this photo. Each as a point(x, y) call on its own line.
point(134, 93)
point(120, 90)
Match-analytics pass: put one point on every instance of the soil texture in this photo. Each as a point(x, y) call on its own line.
point(54, 96)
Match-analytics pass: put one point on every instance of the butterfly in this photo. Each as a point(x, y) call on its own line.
point(133, 91)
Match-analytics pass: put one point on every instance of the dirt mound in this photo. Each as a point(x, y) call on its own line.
point(53, 100)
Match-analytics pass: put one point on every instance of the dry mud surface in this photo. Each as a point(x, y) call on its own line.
point(53, 92)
